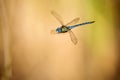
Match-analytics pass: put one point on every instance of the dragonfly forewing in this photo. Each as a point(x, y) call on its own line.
point(73, 37)
point(53, 32)
point(58, 17)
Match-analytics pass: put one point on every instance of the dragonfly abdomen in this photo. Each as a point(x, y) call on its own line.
point(70, 27)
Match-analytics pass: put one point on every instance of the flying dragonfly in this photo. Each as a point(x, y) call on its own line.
point(66, 28)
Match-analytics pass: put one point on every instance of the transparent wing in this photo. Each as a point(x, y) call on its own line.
point(57, 16)
point(53, 32)
point(73, 21)
point(73, 37)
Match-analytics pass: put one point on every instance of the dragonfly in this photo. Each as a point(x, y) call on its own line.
point(67, 28)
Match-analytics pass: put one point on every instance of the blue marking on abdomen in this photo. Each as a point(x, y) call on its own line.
point(70, 27)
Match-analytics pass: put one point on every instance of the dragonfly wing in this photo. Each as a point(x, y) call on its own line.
point(73, 37)
point(73, 21)
point(57, 16)
point(53, 32)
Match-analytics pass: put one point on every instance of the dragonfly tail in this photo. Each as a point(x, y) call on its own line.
point(70, 27)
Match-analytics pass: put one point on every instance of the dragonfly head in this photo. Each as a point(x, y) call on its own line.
point(59, 30)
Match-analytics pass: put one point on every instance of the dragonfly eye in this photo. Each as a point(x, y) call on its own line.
point(59, 30)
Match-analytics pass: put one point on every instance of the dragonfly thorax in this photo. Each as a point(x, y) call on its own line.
point(62, 29)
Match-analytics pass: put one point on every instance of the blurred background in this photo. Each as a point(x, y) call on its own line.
point(29, 52)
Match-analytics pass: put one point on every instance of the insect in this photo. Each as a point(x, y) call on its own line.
point(66, 28)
